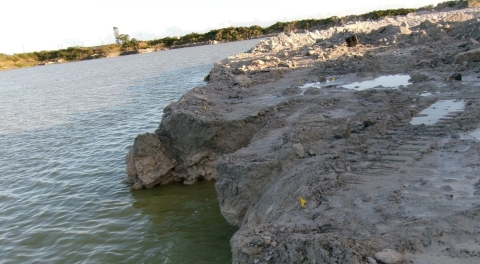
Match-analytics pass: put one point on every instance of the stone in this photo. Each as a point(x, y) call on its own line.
point(147, 163)
point(292, 91)
point(388, 256)
point(258, 62)
point(371, 260)
point(267, 240)
point(424, 63)
point(474, 42)
point(368, 123)
point(470, 56)
point(287, 64)
point(127, 181)
point(418, 77)
point(257, 242)
point(312, 91)
point(456, 76)
point(352, 41)
point(299, 150)
point(138, 185)
point(242, 80)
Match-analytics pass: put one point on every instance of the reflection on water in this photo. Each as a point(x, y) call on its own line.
point(65, 130)
point(390, 81)
point(437, 111)
point(188, 222)
point(474, 134)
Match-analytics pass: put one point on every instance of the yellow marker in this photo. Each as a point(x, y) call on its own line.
point(448, 79)
point(302, 202)
point(333, 79)
point(204, 107)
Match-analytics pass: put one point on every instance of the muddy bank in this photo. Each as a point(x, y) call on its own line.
point(283, 122)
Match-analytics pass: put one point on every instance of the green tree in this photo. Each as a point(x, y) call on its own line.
point(134, 43)
point(125, 41)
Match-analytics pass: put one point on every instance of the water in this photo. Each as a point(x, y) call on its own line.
point(388, 81)
point(65, 130)
point(437, 111)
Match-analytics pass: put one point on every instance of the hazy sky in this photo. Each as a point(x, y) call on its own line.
point(33, 25)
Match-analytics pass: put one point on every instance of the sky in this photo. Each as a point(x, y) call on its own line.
point(34, 25)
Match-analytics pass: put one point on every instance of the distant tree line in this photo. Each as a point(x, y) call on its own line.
point(123, 42)
point(241, 33)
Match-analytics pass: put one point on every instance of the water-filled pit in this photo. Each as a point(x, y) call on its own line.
point(388, 81)
point(437, 111)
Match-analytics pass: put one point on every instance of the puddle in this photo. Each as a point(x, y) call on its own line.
point(475, 134)
point(389, 81)
point(438, 110)
point(329, 81)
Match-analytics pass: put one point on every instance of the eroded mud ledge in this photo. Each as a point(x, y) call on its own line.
point(371, 180)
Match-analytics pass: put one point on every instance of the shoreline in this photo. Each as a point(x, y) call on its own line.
point(133, 52)
point(193, 39)
point(375, 187)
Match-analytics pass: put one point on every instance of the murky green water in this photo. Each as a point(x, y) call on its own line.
point(203, 235)
point(64, 132)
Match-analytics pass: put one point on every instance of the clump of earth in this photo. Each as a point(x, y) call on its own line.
point(315, 167)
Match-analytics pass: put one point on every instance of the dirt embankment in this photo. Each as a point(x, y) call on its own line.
point(281, 122)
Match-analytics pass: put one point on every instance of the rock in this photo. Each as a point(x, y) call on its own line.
point(456, 76)
point(368, 123)
point(252, 177)
point(352, 41)
point(258, 62)
point(418, 77)
point(138, 185)
point(292, 91)
point(474, 42)
point(147, 163)
point(257, 242)
point(388, 256)
point(267, 240)
point(312, 91)
point(424, 63)
point(242, 80)
point(127, 181)
point(207, 77)
point(470, 56)
point(299, 150)
point(331, 176)
point(287, 64)
point(371, 260)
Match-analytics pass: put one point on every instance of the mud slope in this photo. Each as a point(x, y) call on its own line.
point(284, 121)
